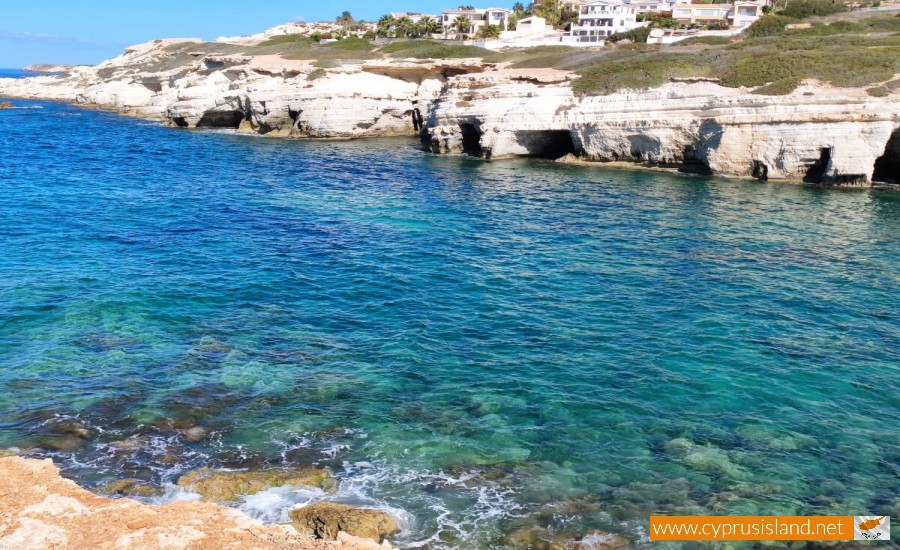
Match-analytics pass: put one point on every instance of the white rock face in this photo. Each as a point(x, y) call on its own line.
point(817, 133)
point(825, 135)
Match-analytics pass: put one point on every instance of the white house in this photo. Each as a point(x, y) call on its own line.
point(602, 18)
point(745, 13)
point(651, 6)
point(415, 16)
point(739, 14)
point(478, 18)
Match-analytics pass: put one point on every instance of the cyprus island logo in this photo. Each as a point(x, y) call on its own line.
point(871, 528)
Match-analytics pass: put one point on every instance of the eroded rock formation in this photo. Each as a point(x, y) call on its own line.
point(816, 134)
point(40, 509)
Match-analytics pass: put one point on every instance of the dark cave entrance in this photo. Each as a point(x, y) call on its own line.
point(547, 144)
point(816, 171)
point(692, 162)
point(471, 140)
point(221, 119)
point(887, 166)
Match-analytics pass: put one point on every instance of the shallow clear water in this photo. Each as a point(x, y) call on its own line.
point(463, 342)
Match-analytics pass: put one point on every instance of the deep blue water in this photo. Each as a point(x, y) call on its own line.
point(12, 73)
point(465, 343)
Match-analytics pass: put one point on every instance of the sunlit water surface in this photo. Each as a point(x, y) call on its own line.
point(464, 343)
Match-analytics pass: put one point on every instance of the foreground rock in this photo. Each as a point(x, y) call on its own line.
point(326, 519)
point(228, 486)
point(39, 509)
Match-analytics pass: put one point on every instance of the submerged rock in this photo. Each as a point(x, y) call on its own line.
point(540, 538)
point(192, 435)
point(130, 488)
point(70, 427)
point(224, 486)
point(6, 105)
point(325, 520)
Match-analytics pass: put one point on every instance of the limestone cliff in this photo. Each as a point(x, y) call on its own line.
point(815, 134)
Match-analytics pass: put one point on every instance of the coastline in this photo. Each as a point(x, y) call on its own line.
point(816, 134)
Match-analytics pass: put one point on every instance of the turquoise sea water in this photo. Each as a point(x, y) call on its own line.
point(465, 343)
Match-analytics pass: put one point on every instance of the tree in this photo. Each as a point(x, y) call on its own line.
point(345, 20)
point(405, 27)
point(490, 31)
point(462, 24)
point(466, 7)
point(519, 10)
point(427, 26)
point(386, 26)
point(549, 10)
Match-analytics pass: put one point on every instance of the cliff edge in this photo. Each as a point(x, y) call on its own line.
point(40, 509)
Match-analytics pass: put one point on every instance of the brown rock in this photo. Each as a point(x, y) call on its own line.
point(221, 486)
point(326, 519)
point(40, 509)
point(71, 427)
point(130, 488)
point(6, 105)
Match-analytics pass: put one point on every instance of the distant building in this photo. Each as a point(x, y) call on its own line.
point(651, 6)
point(415, 16)
point(701, 14)
point(478, 18)
point(739, 14)
point(601, 18)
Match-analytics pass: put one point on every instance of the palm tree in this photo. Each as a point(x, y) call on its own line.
point(462, 24)
point(405, 27)
point(428, 26)
point(490, 31)
point(386, 25)
point(345, 20)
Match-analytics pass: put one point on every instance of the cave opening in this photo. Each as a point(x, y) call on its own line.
point(816, 171)
point(887, 166)
point(180, 122)
point(547, 144)
point(692, 162)
point(471, 140)
point(221, 119)
point(760, 171)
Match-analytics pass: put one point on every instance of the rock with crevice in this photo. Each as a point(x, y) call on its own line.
point(325, 520)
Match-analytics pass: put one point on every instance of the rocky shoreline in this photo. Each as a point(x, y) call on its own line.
point(817, 134)
point(40, 509)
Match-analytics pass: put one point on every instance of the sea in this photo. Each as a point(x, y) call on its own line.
point(482, 348)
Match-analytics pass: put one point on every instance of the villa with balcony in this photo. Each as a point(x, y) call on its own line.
point(478, 18)
point(602, 18)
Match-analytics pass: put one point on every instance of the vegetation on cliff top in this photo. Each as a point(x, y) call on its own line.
point(770, 58)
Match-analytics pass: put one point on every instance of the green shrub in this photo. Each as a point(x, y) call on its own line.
point(878, 91)
point(707, 40)
point(351, 44)
point(429, 49)
point(800, 9)
point(779, 87)
point(768, 25)
point(638, 36)
point(285, 39)
point(316, 74)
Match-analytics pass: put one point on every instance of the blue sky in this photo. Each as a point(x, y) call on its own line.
point(89, 31)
